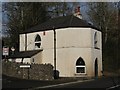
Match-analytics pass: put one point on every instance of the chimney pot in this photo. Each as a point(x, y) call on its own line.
point(77, 12)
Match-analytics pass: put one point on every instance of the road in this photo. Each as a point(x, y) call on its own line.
point(108, 83)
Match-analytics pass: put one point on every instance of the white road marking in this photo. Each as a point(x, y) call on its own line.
point(113, 87)
point(61, 84)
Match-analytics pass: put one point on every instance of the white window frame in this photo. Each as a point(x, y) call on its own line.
point(35, 42)
point(80, 66)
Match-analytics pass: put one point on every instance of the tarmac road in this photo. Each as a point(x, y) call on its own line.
point(107, 83)
point(15, 83)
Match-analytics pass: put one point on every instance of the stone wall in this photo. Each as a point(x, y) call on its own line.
point(35, 72)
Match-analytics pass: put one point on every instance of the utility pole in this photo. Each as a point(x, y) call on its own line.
point(54, 52)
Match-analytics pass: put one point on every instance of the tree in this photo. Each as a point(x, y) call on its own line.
point(104, 15)
point(21, 16)
point(56, 9)
point(24, 15)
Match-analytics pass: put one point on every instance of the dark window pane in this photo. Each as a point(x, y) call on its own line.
point(80, 69)
point(37, 41)
point(95, 40)
point(33, 60)
point(37, 45)
point(80, 62)
point(37, 38)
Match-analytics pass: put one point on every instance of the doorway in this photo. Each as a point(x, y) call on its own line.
point(96, 67)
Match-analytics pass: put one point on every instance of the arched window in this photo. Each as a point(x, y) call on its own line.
point(37, 41)
point(80, 66)
point(95, 40)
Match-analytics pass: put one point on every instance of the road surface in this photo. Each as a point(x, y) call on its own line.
point(107, 83)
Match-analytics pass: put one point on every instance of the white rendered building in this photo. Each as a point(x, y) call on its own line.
point(78, 46)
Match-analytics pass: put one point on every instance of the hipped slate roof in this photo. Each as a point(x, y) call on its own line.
point(24, 54)
point(60, 22)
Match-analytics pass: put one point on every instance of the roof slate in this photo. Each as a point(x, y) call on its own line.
point(60, 22)
point(24, 54)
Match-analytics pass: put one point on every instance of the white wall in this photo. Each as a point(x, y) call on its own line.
point(37, 58)
point(26, 60)
point(99, 38)
point(66, 60)
point(19, 60)
point(22, 42)
point(74, 37)
point(70, 37)
point(46, 40)
point(97, 53)
point(72, 43)
point(71, 56)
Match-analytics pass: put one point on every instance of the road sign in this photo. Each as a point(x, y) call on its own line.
point(5, 51)
point(24, 66)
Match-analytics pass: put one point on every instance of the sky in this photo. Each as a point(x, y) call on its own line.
point(83, 6)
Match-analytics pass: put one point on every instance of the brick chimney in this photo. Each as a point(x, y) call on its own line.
point(77, 12)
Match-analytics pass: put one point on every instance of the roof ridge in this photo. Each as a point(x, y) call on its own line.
point(60, 22)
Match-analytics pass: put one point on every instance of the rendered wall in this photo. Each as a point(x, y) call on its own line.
point(72, 43)
point(67, 37)
point(37, 58)
point(97, 53)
